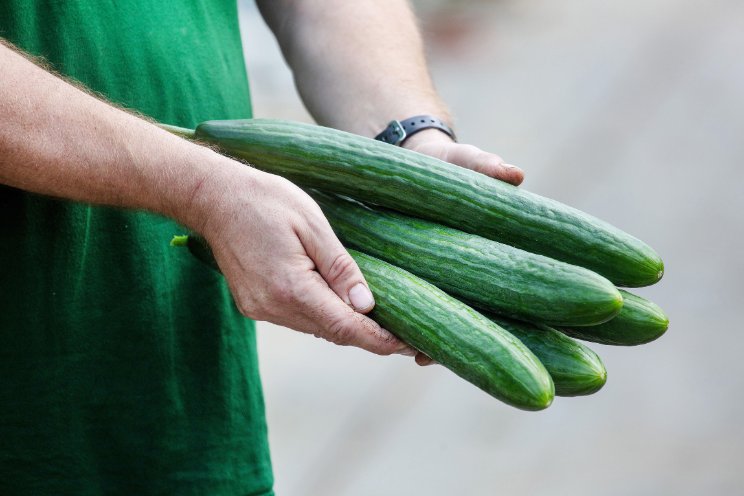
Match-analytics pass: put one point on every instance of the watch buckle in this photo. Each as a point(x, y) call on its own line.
point(396, 128)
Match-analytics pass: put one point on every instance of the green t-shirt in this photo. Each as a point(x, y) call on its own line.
point(125, 368)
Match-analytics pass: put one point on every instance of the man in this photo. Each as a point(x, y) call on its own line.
point(126, 367)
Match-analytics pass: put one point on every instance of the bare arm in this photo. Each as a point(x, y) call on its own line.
point(57, 140)
point(360, 64)
point(280, 256)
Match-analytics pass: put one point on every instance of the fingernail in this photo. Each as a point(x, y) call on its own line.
point(407, 351)
point(509, 166)
point(361, 297)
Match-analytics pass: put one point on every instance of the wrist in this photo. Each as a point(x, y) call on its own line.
point(207, 180)
point(426, 136)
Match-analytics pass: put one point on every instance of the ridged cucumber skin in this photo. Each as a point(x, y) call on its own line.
point(413, 183)
point(639, 322)
point(483, 273)
point(447, 330)
point(576, 369)
point(456, 336)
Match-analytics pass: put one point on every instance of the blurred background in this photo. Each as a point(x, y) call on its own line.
point(632, 111)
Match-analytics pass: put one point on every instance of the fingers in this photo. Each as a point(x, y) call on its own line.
point(471, 157)
point(284, 265)
point(335, 321)
point(492, 165)
point(423, 360)
point(335, 265)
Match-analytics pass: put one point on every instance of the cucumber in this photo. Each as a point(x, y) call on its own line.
point(456, 336)
point(450, 332)
point(576, 370)
point(484, 273)
point(393, 177)
point(198, 247)
point(639, 322)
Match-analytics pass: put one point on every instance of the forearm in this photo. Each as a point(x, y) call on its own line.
point(280, 257)
point(357, 64)
point(57, 140)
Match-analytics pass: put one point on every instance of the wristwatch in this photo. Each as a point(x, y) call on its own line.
point(398, 131)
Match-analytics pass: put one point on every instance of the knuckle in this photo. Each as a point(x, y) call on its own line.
point(341, 267)
point(312, 208)
point(339, 332)
point(248, 308)
point(388, 345)
point(253, 315)
point(255, 304)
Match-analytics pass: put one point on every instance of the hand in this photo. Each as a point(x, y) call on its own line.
point(282, 261)
point(437, 144)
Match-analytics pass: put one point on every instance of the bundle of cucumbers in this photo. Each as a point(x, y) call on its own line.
point(490, 280)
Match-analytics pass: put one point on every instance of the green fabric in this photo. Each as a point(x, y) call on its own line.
point(125, 368)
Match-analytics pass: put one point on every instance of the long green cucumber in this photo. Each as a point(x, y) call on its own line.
point(450, 332)
point(576, 370)
point(423, 186)
point(639, 322)
point(484, 273)
point(455, 335)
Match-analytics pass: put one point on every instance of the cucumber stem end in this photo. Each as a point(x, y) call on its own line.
point(180, 240)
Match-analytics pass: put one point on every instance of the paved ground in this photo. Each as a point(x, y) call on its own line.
point(633, 111)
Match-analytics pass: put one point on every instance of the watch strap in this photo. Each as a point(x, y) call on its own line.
point(398, 131)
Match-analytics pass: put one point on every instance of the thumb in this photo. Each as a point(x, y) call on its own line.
point(339, 324)
point(472, 157)
point(336, 266)
point(490, 164)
